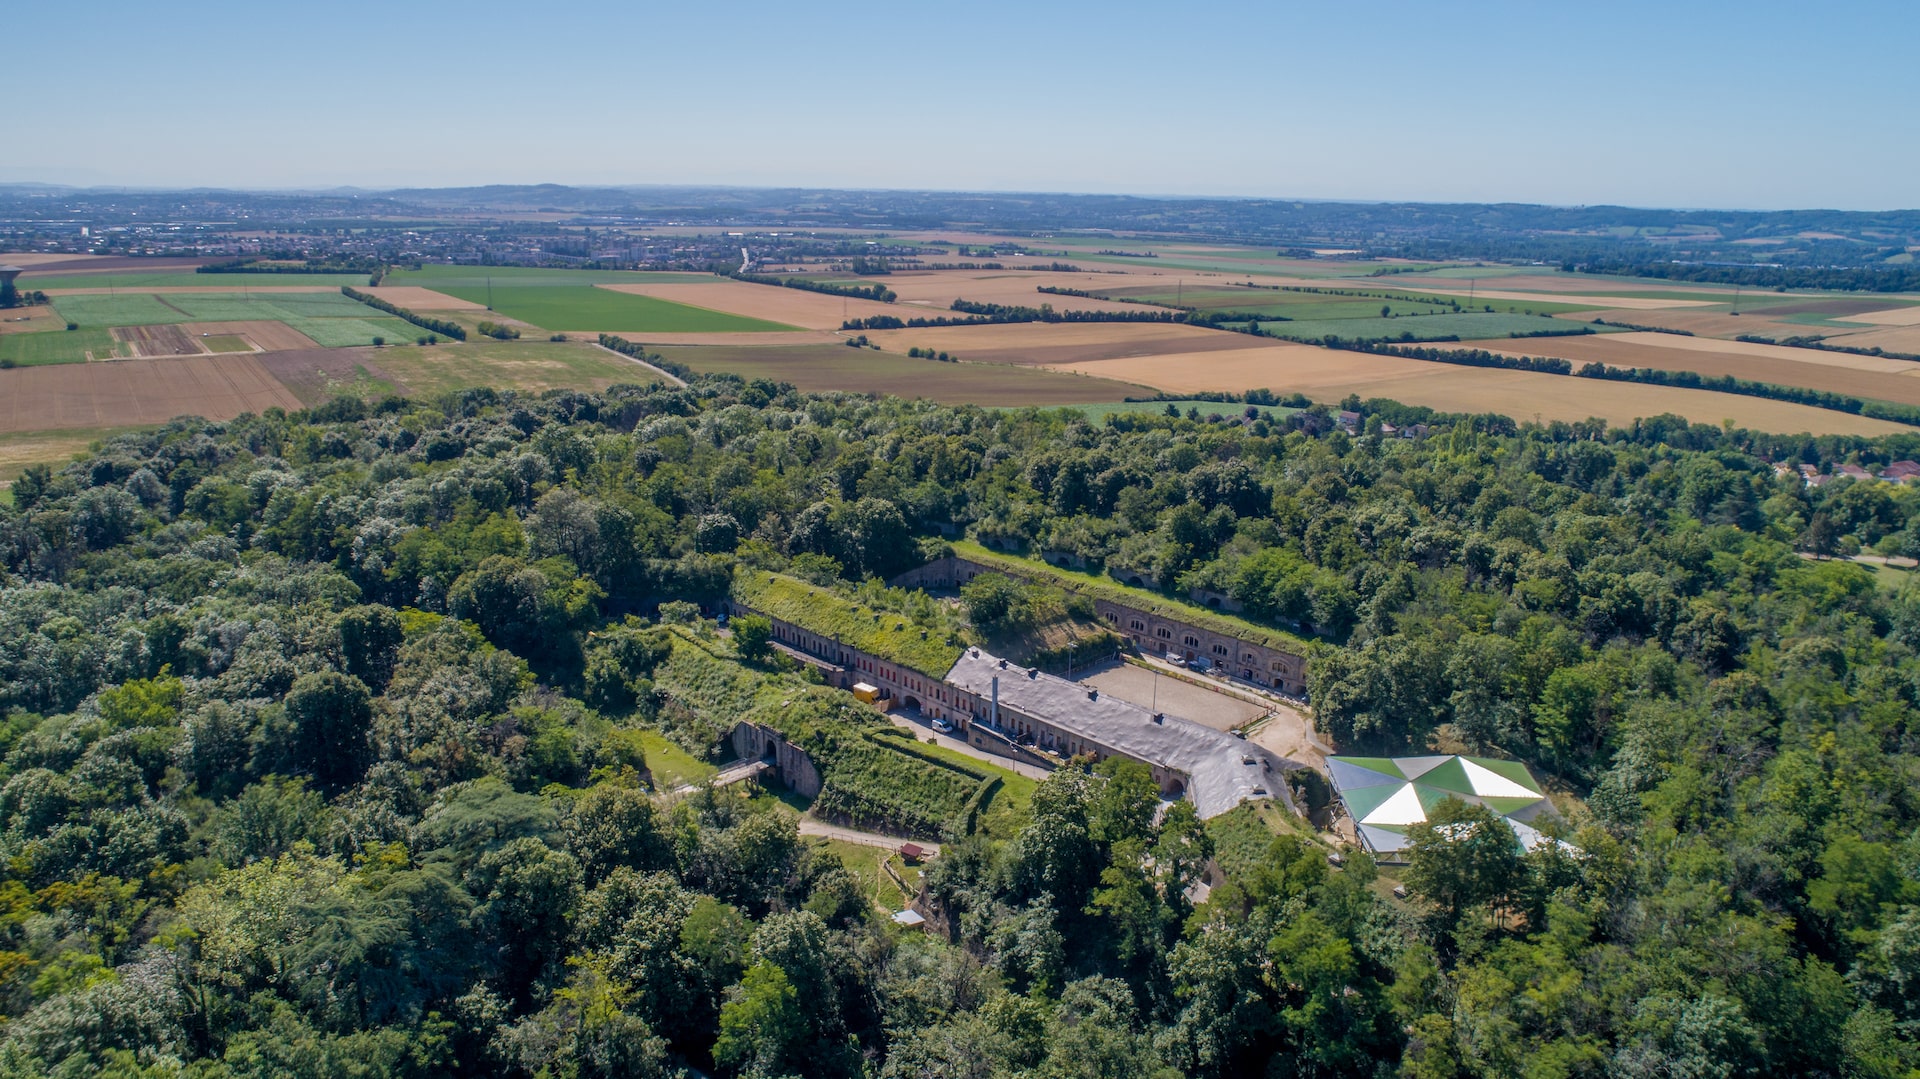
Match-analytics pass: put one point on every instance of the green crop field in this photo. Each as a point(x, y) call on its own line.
point(445, 277)
point(226, 343)
point(584, 307)
point(331, 319)
point(33, 349)
point(817, 368)
point(532, 366)
point(186, 279)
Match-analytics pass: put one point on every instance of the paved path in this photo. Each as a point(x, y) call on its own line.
point(810, 826)
point(923, 730)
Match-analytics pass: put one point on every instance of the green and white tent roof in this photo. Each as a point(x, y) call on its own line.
point(1388, 795)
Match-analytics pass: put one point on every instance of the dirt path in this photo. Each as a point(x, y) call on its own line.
point(672, 378)
point(810, 826)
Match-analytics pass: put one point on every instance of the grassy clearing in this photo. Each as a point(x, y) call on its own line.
point(584, 307)
point(864, 863)
point(1099, 587)
point(533, 366)
point(188, 279)
point(21, 449)
point(672, 766)
point(34, 349)
point(890, 636)
point(819, 368)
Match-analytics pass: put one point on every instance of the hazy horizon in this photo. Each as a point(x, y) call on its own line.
point(1724, 106)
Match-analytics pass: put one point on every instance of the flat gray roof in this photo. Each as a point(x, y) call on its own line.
point(1215, 763)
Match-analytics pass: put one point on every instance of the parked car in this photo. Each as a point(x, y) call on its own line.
point(1176, 659)
point(943, 726)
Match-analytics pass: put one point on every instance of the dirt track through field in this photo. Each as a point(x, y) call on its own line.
point(1328, 375)
point(137, 391)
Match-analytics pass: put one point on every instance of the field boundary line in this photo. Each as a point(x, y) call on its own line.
point(671, 378)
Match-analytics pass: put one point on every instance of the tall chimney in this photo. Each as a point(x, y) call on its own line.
point(996, 702)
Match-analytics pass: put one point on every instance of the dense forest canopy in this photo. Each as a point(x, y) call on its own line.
point(323, 750)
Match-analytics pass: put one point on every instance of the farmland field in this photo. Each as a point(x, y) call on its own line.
point(587, 308)
point(1327, 375)
point(441, 277)
point(1423, 328)
point(31, 349)
point(128, 392)
point(228, 342)
point(836, 367)
point(795, 307)
point(328, 318)
point(57, 278)
point(1838, 372)
point(531, 366)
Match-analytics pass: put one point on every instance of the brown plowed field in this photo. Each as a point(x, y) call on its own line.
point(415, 298)
point(1327, 375)
point(267, 336)
point(1052, 343)
point(791, 306)
point(136, 391)
point(157, 340)
point(312, 375)
point(1838, 372)
point(29, 319)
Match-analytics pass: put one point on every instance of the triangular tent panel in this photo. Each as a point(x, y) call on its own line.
point(1382, 840)
point(1507, 807)
point(1383, 765)
point(1415, 767)
point(1491, 784)
point(1451, 776)
point(1513, 770)
point(1364, 800)
point(1402, 808)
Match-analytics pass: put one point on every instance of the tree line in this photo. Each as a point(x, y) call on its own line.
point(878, 293)
point(441, 326)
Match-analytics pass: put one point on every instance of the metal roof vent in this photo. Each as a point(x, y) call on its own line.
point(1003, 663)
point(1159, 717)
point(1035, 673)
point(1093, 694)
point(1247, 760)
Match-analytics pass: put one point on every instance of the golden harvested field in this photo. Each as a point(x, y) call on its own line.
point(1897, 316)
point(1327, 375)
point(415, 298)
point(266, 336)
point(861, 370)
point(1838, 372)
point(792, 306)
point(1892, 338)
point(136, 391)
point(1063, 342)
point(21, 449)
point(1580, 284)
point(30, 319)
point(939, 288)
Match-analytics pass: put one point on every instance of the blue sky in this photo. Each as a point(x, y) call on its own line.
point(1650, 104)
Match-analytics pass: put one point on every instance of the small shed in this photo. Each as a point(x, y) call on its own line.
point(910, 918)
point(912, 852)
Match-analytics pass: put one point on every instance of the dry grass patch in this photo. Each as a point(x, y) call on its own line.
point(1897, 316)
point(128, 392)
point(20, 450)
point(266, 336)
point(37, 319)
point(416, 298)
point(795, 307)
point(1328, 375)
point(1053, 343)
point(837, 367)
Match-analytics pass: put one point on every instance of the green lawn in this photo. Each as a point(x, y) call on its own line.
point(864, 863)
point(584, 307)
point(59, 346)
point(226, 343)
